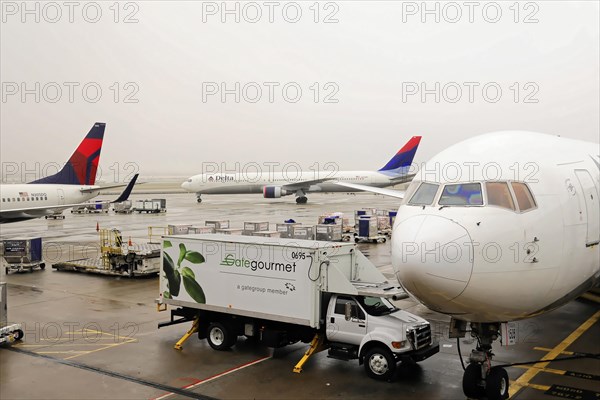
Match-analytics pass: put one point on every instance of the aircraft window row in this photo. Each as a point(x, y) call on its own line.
point(424, 195)
point(15, 199)
point(498, 194)
point(514, 196)
point(462, 194)
point(524, 197)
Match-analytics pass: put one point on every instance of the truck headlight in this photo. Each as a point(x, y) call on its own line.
point(399, 345)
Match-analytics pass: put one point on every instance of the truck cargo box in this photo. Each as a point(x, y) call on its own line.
point(269, 278)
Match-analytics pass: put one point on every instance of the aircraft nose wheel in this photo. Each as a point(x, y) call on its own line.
point(479, 380)
point(301, 200)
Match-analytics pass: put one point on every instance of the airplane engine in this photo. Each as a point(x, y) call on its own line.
point(274, 192)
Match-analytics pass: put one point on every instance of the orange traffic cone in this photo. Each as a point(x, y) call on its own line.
point(97, 226)
point(129, 243)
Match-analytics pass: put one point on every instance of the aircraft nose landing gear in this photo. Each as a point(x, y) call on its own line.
point(480, 378)
point(198, 198)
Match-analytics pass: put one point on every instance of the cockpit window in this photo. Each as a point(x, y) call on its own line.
point(462, 194)
point(424, 195)
point(499, 195)
point(524, 197)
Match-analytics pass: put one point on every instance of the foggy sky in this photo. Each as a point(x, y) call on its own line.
point(374, 52)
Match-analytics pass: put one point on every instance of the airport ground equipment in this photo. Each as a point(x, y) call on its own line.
point(123, 207)
point(328, 232)
point(117, 257)
point(181, 229)
point(155, 234)
point(303, 232)
point(9, 333)
point(251, 227)
point(285, 229)
point(368, 230)
point(55, 215)
point(336, 218)
point(223, 224)
point(22, 254)
point(194, 230)
point(281, 291)
point(96, 207)
point(152, 206)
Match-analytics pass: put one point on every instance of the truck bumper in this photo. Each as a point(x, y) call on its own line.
point(421, 354)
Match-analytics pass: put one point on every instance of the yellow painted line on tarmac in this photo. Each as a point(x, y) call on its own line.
point(543, 388)
point(546, 349)
point(524, 379)
point(61, 352)
point(548, 370)
point(62, 344)
point(106, 347)
point(591, 297)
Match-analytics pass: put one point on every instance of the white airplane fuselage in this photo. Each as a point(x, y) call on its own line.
point(487, 263)
point(251, 182)
point(18, 196)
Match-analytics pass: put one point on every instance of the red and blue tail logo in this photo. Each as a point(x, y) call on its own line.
point(82, 166)
point(404, 158)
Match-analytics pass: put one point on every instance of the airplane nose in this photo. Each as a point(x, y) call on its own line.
point(433, 258)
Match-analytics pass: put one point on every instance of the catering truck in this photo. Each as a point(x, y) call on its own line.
point(282, 291)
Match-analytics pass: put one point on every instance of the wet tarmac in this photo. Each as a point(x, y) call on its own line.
point(96, 337)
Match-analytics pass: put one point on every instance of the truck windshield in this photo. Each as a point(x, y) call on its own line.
point(376, 305)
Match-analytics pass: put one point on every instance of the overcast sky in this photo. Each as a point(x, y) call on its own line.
point(361, 68)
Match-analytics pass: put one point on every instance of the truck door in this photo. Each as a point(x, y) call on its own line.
point(590, 194)
point(340, 330)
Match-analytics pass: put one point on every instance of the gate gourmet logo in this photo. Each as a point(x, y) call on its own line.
point(255, 265)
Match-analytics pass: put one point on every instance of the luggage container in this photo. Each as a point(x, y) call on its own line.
point(330, 233)
point(286, 229)
point(224, 224)
point(123, 207)
point(303, 232)
point(194, 230)
point(23, 254)
point(284, 291)
point(368, 230)
point(182, 229)
point(256, 226)
point(153, 206)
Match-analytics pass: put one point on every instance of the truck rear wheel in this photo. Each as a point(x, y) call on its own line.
point(380, 363)
point(220, 336)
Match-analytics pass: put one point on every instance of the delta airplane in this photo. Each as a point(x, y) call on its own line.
point(279, 184)
point(72, 185)
point(498, 228)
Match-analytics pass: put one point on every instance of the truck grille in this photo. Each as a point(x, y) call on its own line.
point(420, 336)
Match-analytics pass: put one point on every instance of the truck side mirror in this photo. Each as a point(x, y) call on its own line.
point(348, 311)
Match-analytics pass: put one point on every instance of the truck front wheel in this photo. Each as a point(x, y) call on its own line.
point(380, 364)
point(219, 336)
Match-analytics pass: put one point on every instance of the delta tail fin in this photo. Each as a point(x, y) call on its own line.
point(403, 158)
point(82, 166)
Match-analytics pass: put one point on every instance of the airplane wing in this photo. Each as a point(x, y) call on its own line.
point(95, 189)
point(125, 195)
point(33, 212)
point(386, 192)
point(304, 184)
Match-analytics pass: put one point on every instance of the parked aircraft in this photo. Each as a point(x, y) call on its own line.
point(299, 183)
point(72, 185)
point(498, 228)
